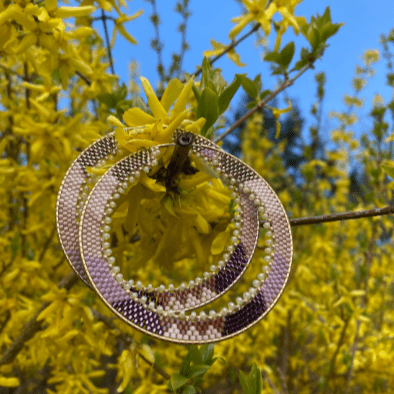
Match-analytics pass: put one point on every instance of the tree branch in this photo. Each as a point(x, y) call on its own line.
point(111, 62)
point(285, 84)
point(334, 217)
point(87, 80)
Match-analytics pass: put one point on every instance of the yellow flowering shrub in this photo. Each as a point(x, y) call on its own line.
point(332, 328)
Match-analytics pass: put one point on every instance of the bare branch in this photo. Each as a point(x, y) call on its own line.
point(285, 84)
point(108, 43)
point(334, 217)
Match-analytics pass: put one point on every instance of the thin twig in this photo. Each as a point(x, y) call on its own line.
point(285, 84)
point(111, 62)
point(87, 80)
point(334, 217)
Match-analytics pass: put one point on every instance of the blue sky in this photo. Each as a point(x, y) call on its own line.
point(364, 22)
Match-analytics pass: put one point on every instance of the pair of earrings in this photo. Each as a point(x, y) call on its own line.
point(84, 210)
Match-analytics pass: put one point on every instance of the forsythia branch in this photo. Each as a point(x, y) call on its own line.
point(389, 210)
point(285, 84)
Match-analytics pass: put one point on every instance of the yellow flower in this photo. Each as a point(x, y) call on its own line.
point(219, 48)
point(277, 112)
point(147, 130)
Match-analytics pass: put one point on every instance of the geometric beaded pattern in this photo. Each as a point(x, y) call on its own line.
point(177, 328)
point(67, 226)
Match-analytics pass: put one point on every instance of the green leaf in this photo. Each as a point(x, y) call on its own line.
point(195, 354)
point(389, 170)
point(326, 17)
point(208, 108)
point(273, 57)
point(258, 83)
point(228, 93)
point(254, 379)
point(198, 370)
point(249, 86)
point(189, 389)
point(177, 381)
point(244, 383)
point(264, 94)
point(196, 93)
point(314, 38)
point(207, 76)
point(329, 30)
point(286, 54)
point(206, 352)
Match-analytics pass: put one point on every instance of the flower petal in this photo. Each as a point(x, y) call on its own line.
point(137, 117)
point(154, 104)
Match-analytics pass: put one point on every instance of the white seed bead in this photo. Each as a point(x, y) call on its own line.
point(143, 299)
point(162, 288)
point(193, 315)
point(221, 263)
point(233, 195)
point(151, 305)
point(230, 248)
point(246, 296)
point(138, 285)
point(246, 189)
point(107, 229)
point(237, 225)
point(111, 260)
point(268, 242)
point(264, 217)
point(115, 270)
point(252, 291)
point(234, 239)
point(268, 250)
point(160, 309)
point(212, 313)
point(170, 312)
point(260, 277)
point(213, 268)
point(239, 300)
point(116, 196)
point(182, 286)
point(150, 287)
point(268, 234)
point(112, 204)
point(125, 185)
point(266, 269)
point(261, 209)
point(206, 275)
point(134, 296)
point(155, 162)
point(127, 286)
point(107, 220)
point(106, 245)
point(203, 315)
point(256, 201)
point(236, 233)
point(108, 252)
point(226, 256)
point(256, 283)
point(171, 287)
point(232, 181)
point(137, 174)
point(131, 179)
point(252, 197)
point(119, 277)
point(106, 236)
point(182, 314)
point(146, 169)
point(224, 311)
point(198, 280)
point(267, 226)
point(231, 306)
point(192, 283)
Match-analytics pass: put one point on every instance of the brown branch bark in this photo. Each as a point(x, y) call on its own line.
point(334, 217)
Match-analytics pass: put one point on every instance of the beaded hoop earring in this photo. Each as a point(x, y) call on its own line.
point(159, 312)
